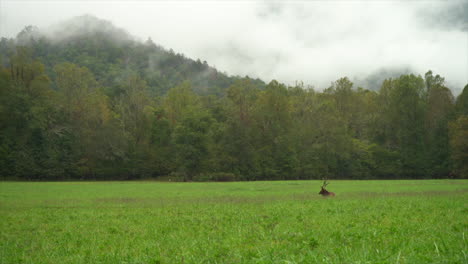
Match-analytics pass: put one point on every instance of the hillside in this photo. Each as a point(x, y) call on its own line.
point(111, 54)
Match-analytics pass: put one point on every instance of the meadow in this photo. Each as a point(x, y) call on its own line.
point(410, 221)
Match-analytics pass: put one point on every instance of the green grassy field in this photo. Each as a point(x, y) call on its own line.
point(247, 222)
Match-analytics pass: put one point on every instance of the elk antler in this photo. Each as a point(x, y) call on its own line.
point(325, 183)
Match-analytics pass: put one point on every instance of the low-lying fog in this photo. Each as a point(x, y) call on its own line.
point(312, 41)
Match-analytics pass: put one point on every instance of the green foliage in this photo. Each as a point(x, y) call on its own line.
point(191, 141)
point(459, 145)
point(401, 121)
point(439, 111)
point(462, 102)
point(96, 104)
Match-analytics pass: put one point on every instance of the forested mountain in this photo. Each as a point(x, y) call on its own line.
point(111, 55)
point(87, 101)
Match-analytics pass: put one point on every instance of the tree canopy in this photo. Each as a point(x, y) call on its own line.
point(90, 106)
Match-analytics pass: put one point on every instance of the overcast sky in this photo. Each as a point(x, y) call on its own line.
point(313, 41)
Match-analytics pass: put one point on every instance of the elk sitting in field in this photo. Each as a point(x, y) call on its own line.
point(324, 191)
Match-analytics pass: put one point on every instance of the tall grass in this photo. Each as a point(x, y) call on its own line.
point(421, 221)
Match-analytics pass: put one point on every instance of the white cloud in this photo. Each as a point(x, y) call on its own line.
point(313, 41)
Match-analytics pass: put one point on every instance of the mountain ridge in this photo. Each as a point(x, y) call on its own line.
point(105, 48)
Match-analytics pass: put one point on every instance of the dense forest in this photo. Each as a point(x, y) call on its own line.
point(91, 102)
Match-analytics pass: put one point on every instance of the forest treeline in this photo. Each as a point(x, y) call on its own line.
point(93, 107)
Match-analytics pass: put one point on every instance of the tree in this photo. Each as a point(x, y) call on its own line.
point(86, 119)
point(439, 111)
point(331, 143)
point(237, 141)
point(462, 102)
point(242, 95)
point(179, 101)
point(344, 96)
point(401, 122)
point(162, 146)
point(191, 142)
point(28, 118)
point(459, 146)
point(135, 113)
point(276, 157)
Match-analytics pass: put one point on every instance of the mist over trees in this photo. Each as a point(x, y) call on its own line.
point(96, 104)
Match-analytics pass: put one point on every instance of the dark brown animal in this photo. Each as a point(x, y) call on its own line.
point(324, 191)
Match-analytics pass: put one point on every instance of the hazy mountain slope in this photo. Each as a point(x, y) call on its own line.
point(112, 54)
